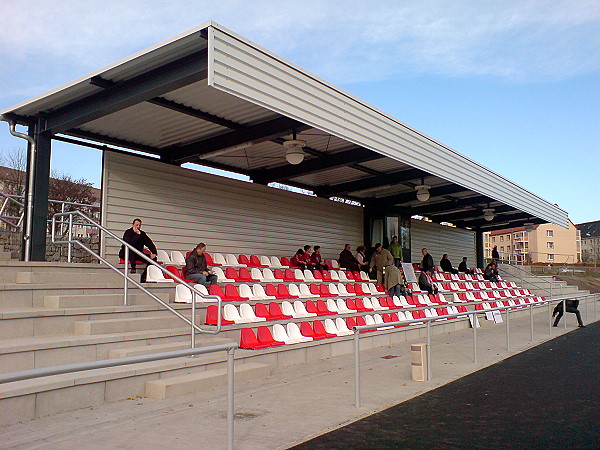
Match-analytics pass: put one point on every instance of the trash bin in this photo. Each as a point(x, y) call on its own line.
point(418, 360)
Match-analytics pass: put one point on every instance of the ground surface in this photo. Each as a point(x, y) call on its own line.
point(545, 397)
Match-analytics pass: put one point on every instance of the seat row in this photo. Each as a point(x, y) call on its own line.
point(475, 286)
point(229, 259)
point(298, 309)
point(293, 333)
point(288, 275)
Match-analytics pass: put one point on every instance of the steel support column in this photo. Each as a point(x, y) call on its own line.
point(479, 248)
point(40, 189)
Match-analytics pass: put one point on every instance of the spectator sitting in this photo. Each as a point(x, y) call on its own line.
point(135, 237)
point(316, 259)
point(363, 262)
point(462, 267)
point(491, 272)
point(396, 250)
point(446, 265)
point(298, 259)
point(307, 257)
point(572, 308)
point(394, 283)
point(381, 259)
point(425, 283)
point(427, 262)
point(347, 260)
point(196, 268)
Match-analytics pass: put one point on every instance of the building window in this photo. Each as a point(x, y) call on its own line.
point(501, 238)
point(549, 244)
point(549, 233)
point(494, 239)
point(502, 249)
point(550, 257)
point(508, 248)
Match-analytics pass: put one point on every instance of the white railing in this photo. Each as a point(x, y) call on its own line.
point(59, 219)
point(472, 315)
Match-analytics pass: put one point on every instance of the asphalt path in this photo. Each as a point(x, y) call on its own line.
point(546, 397)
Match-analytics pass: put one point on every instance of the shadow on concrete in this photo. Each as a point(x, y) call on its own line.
point(545, 397)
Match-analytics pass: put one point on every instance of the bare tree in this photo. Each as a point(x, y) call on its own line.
point(13, 180)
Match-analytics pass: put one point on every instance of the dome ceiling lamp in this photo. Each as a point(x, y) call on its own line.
point(423, 191)
point(488, 213)
point(293, 150)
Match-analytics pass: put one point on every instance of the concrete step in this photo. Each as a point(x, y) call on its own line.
point(39, 277)
point(5, 256)
point(202, 381)
point(166, 347)
point(95, 300)
point(125, 325)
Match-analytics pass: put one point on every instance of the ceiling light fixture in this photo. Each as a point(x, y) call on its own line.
point(293, 150)
point(423, 191)
point(488, 214)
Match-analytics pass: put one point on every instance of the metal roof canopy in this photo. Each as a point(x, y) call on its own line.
point(211, 97)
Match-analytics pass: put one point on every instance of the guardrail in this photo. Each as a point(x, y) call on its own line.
point(538, 285)
point(128, 248)
point(472, 315)
point(102, 364)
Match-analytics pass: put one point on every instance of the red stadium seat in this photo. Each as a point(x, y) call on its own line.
point(243, 259)
point(271, 291)
point(326, 276)
point(358, 290)
point(278, 273)
point(324, 291)
point(265, 337)
point(255, 262)
point(283, 292)
point(360, 320)
point(174, 270)
point(288, 275)
point(350, 322)
point(350, 289)
point(320, 329)
point(244, 276)
point(232, 294)
point(211, 316)
point(351, 276)
point(307, 330)
point(276, 313)
point(261, 311)
point(215, 289)
point(231, 274)
point(318, 275)
point(322, 309)
point(209, 260)
point(248, 340)
point(314, 289)
point(361, 306)
point(350, 304)
point(284, 261)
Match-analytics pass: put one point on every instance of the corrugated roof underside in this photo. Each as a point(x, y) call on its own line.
point(241, 69)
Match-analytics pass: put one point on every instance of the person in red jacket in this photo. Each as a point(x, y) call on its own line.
point(298, 259)
point(317, 260)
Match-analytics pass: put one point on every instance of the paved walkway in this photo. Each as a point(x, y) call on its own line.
point(304, 401)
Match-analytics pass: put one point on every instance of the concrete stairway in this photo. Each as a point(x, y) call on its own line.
point(53, 314)
point(546, 286)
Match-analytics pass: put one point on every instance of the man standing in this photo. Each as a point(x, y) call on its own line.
point(381, 258)
point(196, 268)
point(427, 262)
point(396, 250)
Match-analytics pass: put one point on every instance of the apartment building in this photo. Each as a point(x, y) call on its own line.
point(536, 244)
point(590, 242)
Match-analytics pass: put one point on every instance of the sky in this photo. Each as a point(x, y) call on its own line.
point(514, 85)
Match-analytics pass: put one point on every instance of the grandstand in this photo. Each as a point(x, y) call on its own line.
point(212, 98)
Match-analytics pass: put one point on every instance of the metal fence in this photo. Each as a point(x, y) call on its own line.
point(472, 315)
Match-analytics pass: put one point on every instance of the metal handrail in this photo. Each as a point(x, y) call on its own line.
point(538, 285)
point(428, 320)
point(195, 292)
point(229, 347)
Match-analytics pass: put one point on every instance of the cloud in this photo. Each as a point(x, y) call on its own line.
point(344, 41)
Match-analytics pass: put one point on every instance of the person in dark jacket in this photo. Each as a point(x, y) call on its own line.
point(495, 254)
point(347, 259)
point(196, 268)
point(462, 267)
point(446, 265)
point(491, 272)
point(138, 239)
point(427, 262)
point(425, 283)
point(572, 306)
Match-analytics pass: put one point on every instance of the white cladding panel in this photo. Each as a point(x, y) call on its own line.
point(439, 239)
point(245, 70)
point(181, 207)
